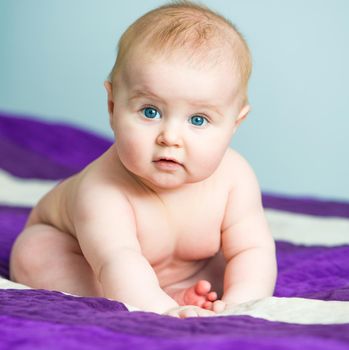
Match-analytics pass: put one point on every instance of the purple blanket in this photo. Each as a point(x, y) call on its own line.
point(39, 319)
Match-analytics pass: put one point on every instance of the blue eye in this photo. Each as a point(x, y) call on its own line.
point(198, 120)
point(150, 112)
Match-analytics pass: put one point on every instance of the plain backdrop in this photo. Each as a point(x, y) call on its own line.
point(55, 55)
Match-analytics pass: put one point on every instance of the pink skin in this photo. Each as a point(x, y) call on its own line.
point(199, 294)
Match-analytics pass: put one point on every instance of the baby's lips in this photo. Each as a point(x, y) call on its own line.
point(168, 159)
point(167, 164)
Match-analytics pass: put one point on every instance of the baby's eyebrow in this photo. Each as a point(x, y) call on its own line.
point(144, 93)
point(211, 107)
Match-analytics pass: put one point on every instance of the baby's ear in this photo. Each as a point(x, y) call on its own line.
point(109, 88)
point(242, 115)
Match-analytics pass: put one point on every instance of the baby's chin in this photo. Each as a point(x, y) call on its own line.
point(164, 182)
point(167, 185)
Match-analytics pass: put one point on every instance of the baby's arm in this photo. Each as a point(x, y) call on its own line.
point(247, 244)
point(106, 230)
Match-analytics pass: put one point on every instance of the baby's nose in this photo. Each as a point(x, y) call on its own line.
point(170, 135)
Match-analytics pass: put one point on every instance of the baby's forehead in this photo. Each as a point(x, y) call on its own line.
point(147, 62)
point(201, 59)
point(173, 78)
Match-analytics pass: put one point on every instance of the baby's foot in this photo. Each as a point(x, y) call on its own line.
point(199, 294)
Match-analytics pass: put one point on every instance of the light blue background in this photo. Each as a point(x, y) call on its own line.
point(55, 55)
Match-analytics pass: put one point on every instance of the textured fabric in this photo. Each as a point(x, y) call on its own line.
point(39, 319)
point(49, 320)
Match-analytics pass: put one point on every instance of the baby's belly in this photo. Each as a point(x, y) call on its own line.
point(184, 274)
point(177, 257)
point(174, 271)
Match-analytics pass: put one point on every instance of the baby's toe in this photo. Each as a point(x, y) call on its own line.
point(202, 287)
point(212, 296)
point(207, 305)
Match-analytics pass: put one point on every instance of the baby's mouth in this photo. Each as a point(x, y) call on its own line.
point(168, 160)
point(167, 163)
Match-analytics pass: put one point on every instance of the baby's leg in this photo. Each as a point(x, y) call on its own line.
point(46, 258)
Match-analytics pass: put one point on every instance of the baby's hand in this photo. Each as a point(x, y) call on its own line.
point(219, 306)
point(189, 311)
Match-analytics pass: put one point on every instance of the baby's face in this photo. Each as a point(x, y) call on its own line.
point(166, 109)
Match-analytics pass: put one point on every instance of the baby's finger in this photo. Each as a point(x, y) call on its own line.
point(173, 313)
point(188, 313)
point(218, 306)
point(205, 313)
point(195, 312)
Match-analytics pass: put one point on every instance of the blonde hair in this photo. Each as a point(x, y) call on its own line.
point(199, 31)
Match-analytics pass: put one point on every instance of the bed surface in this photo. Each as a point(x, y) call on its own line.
point(310, 307)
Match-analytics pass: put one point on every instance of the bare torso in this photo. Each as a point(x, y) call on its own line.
point(177, 233)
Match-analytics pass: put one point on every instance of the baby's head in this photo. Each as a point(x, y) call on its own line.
point(200, 36)
point(178, 90)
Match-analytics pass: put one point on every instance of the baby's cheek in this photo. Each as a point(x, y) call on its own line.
point(211, 163)
point(130, 151)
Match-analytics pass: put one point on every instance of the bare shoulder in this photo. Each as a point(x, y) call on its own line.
point(244, 198)
point(101, 213)
point(244, 224)
point(94, 191)
point(237, 169)
point(98, 186)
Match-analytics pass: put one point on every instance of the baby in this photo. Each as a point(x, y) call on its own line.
point(169, 219)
